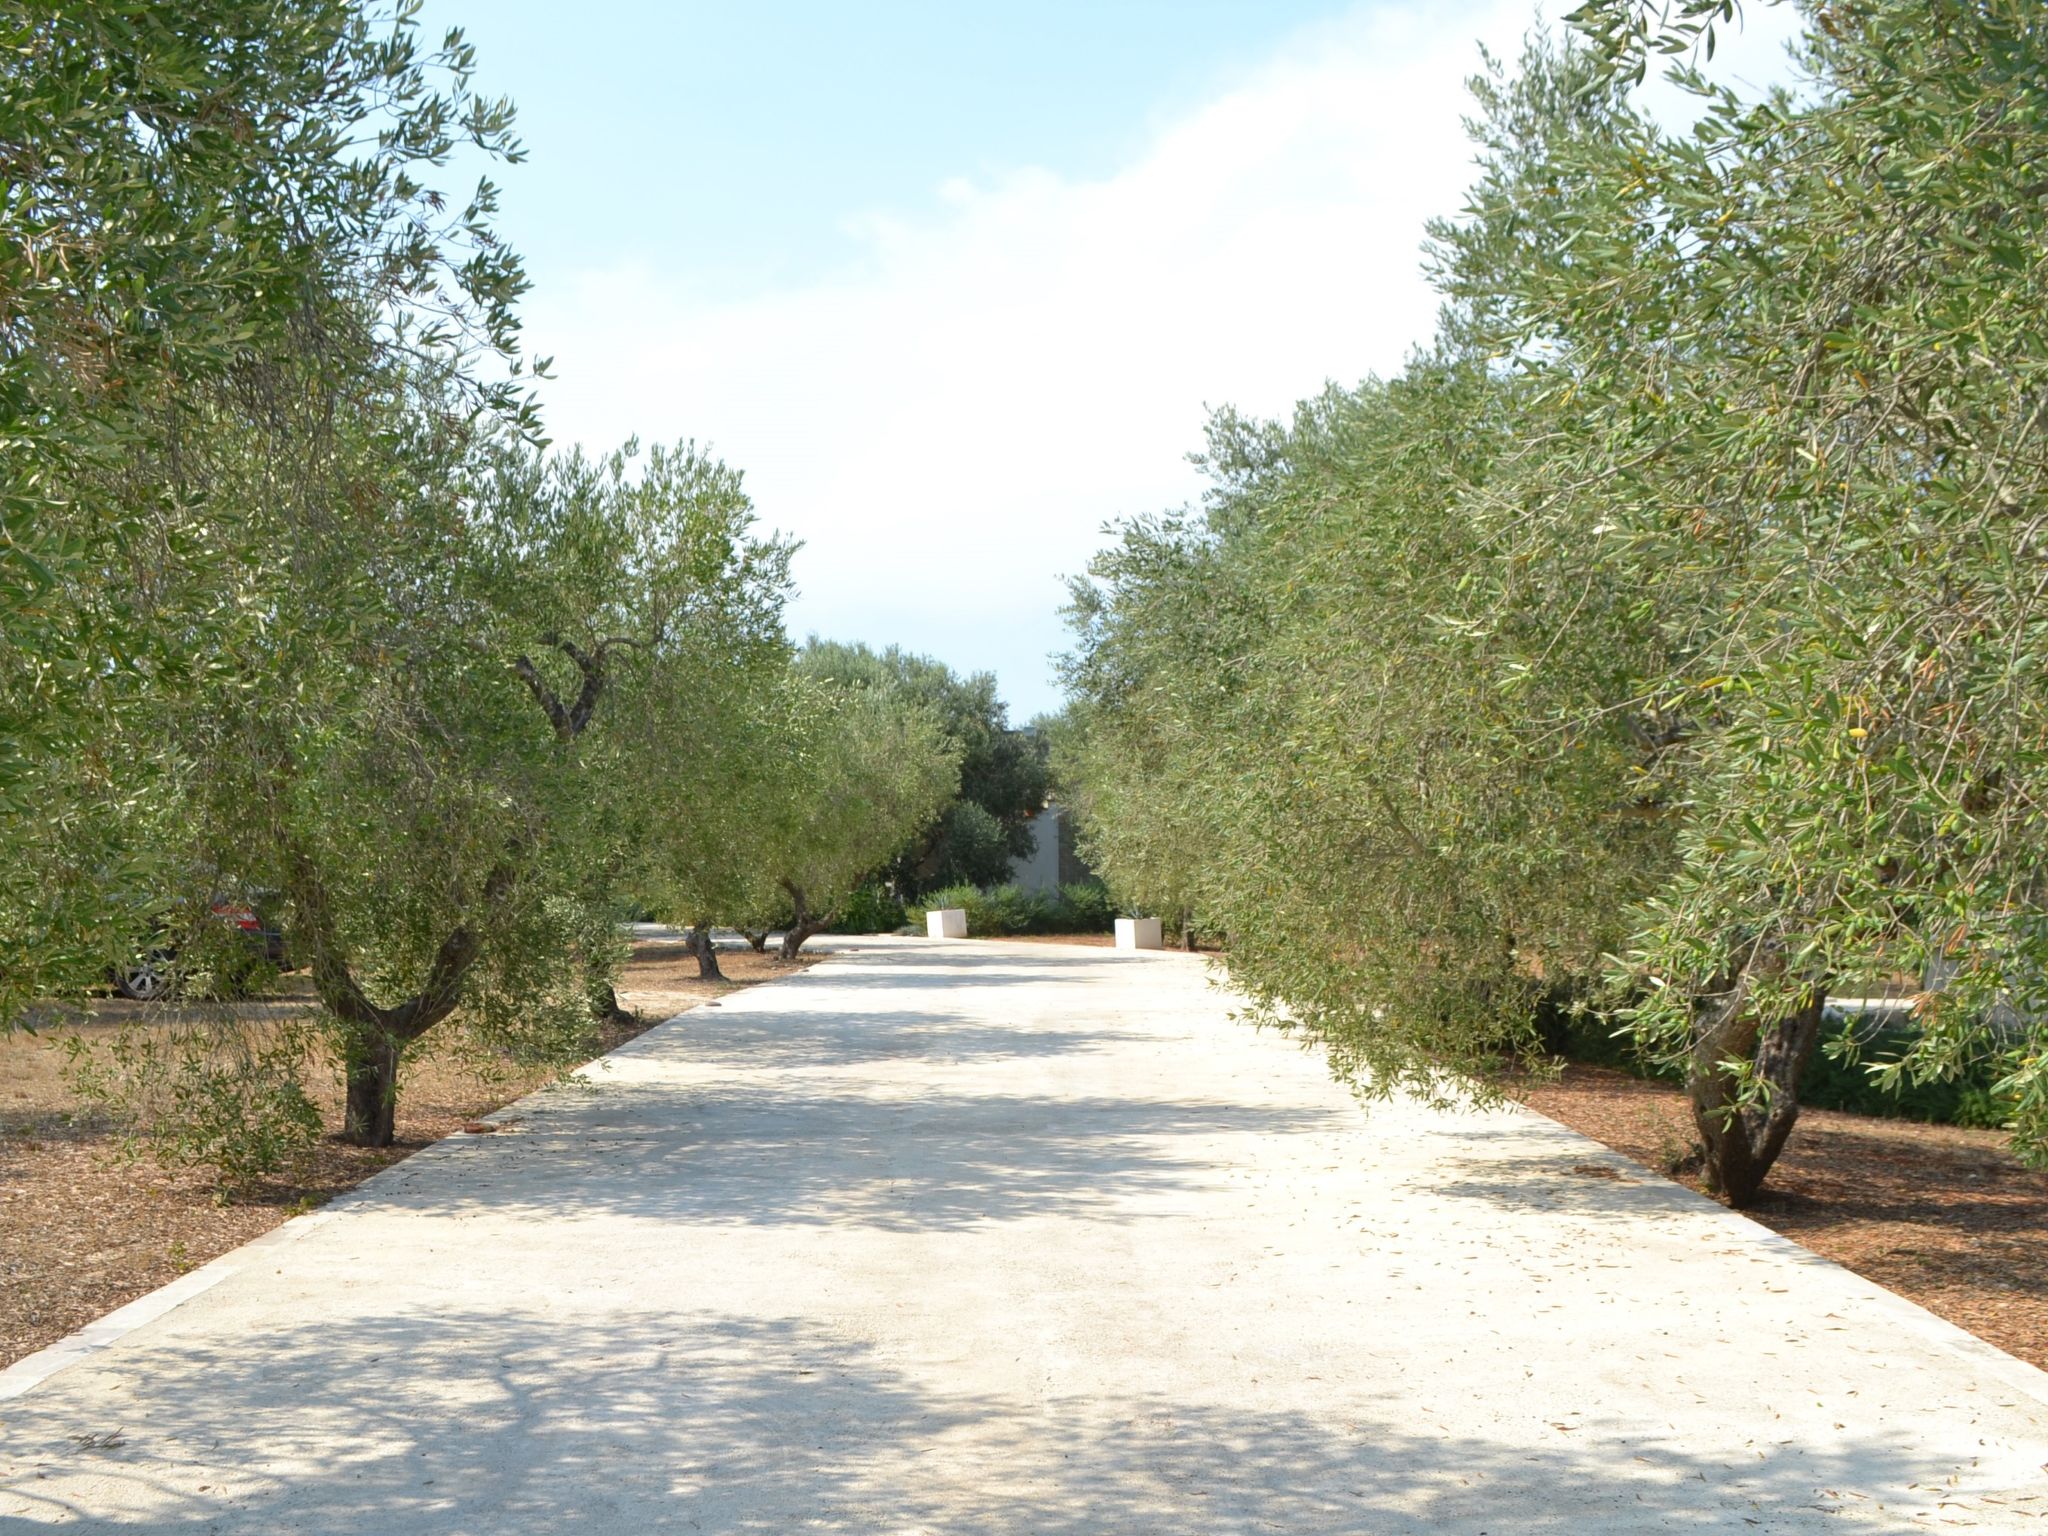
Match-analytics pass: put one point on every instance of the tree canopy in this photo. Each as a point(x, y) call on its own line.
point(198, 197)
point(297, 599)
point(1664, 641)
point(1004, 776)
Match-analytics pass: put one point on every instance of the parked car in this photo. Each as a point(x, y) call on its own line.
point(245, 940)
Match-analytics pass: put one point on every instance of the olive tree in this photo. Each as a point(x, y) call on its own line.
point(449, 806)
point(817, 786)
point(648, 577)
point(864, 773)
point(1311, 718)
point(1679, 606)
point(191, 188)
point(1004, 775)
point(1795, 357)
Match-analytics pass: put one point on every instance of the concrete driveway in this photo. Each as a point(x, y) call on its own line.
point(983, 1238)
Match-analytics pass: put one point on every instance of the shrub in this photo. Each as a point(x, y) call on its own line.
point(1086, 907)
point(1982, 1109)
point(1834, 1082)
point(1083, 907)
point(1584, 1037)
point(966, 897)
point(213, 1096)
point(871, 909)
point(1007, 909)
point(972, 845)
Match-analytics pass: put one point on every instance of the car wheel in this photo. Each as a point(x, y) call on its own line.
point(148, 979)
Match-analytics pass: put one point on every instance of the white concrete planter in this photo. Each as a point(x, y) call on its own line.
point(1138, 933)
point(946, 922)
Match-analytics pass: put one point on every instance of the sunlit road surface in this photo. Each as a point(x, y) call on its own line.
point(983, 1238)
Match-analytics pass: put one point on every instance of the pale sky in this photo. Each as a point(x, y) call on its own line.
point(954, 286)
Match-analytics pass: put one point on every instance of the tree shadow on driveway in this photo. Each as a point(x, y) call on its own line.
point(462, 1421)
point(828, 1040)
point(781, 1155)
point(927, 972)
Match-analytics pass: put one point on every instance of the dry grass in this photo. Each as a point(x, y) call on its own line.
point(83, 1231)
point(1944, 1216)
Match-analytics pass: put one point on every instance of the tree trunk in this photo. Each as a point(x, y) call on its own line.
point(374, 1038)
point(1742, 1143)
point(803, 925)
point(605, 1010)
point(371, 1119)
point(758, 941)
point(700, 944)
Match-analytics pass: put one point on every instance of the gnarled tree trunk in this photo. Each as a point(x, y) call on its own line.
point(371, 1069)
point(757, 941)
point(605, 1009)
point(1742, 1142)
point(374, 1038)
point(699, 943)
point(804, 924)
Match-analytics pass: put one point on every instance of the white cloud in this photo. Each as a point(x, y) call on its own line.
point(948, 426)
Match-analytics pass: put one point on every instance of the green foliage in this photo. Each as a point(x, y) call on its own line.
point(1784, 378)
point(1004, 774)
point(806, 789)
point(1664, 639)
point(1982, 1109)
point(642, 611)
point(299, 606)
point(867, 770)
point(1293, 728)
point(1838, 1079)
point(195, 191)
point(214, 1095)
point(994, 911)
point(969, 847)
point(870, 909)
point(1586, 1037)
point(1085, 906)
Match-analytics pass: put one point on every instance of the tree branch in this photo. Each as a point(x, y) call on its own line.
point(571, 720)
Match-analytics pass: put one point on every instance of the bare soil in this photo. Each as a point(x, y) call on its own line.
point(85, 1229)
point(1946, 1217)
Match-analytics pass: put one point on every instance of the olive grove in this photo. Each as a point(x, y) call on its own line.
point(1665, 643)
point(297, 599)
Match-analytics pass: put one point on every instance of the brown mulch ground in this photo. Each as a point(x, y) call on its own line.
point(83, 1231)
point(1946, 1217)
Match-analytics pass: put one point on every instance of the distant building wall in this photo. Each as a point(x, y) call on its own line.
point(1039, 870)
point(1052, 862)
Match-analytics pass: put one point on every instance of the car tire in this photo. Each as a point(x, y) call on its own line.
point(149, 979)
